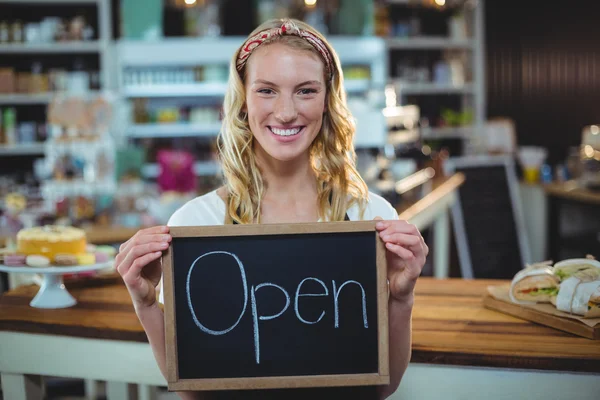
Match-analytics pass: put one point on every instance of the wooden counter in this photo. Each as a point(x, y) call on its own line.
point(450, 326)
point(572, 191)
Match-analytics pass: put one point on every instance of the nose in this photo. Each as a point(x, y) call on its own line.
point(285, 110)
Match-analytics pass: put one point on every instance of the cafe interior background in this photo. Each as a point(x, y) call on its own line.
point(109, 112)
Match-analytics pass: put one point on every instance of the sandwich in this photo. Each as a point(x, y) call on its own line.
point(587, 275)
point(579, 296)
point(593, 310)
point(534, 285)
point(566, 269)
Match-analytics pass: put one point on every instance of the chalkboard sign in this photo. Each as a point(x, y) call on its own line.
point(276, 306)
point(487, 218)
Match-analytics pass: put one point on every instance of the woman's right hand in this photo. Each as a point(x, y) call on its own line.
point(138, 263)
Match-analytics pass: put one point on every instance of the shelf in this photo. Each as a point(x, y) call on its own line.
point(433, 88)
point(214, 89)
point(217, 89)
point(450, 132)
point(428, 43)
point(22, 149)
point(60, 47)
point(173, 130)
point(402, 137)
point(35, 98)
point(201, 168)
point(52, 2)
point(356, 85)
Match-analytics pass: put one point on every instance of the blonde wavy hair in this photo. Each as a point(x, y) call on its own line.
point(332, 152)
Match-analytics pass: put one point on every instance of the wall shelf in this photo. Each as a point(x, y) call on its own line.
point(415, 43)
point(35, 98)
point(450, 132)
point(52, 2)
point(22, 149)
point(173, 130)
point(201, 168)
point(433, 88)
point(55, 47)
point(211, 89)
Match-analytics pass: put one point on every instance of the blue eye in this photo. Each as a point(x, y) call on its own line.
point(307, 91)
point(265, 91)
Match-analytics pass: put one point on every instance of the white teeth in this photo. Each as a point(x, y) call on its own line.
point(285, 132)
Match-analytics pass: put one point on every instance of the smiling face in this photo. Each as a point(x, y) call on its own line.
point(285, 100)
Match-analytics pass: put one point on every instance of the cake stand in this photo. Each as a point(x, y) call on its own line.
point(52, 292)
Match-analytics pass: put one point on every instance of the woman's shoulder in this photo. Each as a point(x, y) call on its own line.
point(376, 206)
point(207, 209)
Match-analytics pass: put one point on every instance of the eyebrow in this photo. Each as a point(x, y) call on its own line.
point(264, 82)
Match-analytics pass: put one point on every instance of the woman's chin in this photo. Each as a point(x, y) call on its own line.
point(287, 156)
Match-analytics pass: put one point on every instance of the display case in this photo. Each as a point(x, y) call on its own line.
point(48, 48)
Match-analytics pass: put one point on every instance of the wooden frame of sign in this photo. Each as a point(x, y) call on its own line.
point(298, 381)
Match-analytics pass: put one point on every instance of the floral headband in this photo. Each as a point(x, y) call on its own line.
point(287, 28)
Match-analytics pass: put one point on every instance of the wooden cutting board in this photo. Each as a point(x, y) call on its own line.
point(570, 325)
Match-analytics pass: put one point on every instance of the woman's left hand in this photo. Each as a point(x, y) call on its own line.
point(406, 253)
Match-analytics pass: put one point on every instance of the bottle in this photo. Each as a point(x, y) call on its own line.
point(17, 32)
point(2, 139)
point(10, 126)
point(4, 32)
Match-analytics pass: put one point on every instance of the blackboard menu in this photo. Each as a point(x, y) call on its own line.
point(487, 222)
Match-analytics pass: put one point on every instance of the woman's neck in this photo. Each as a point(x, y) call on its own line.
point(288, 180)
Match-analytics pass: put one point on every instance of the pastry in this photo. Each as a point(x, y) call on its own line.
point(86, 259)
point(14, 260)
point(109, 250)
point(51, 240)
point(90, 248)
point(65, 260)
point(37, 261)
point(101, 257)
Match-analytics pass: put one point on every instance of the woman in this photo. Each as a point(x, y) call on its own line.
point(287, 154)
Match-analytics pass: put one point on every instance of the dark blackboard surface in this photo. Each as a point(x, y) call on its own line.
point(287, 346)
point(489, 221)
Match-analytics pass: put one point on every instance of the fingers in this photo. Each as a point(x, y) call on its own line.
point(138, 251)
point(400, 251)
point(134, 272)
point(144, 239)
point(143, 232)
point(403, 239)
point(397, 226)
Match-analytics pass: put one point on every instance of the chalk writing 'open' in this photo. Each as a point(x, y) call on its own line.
point(256, 317)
